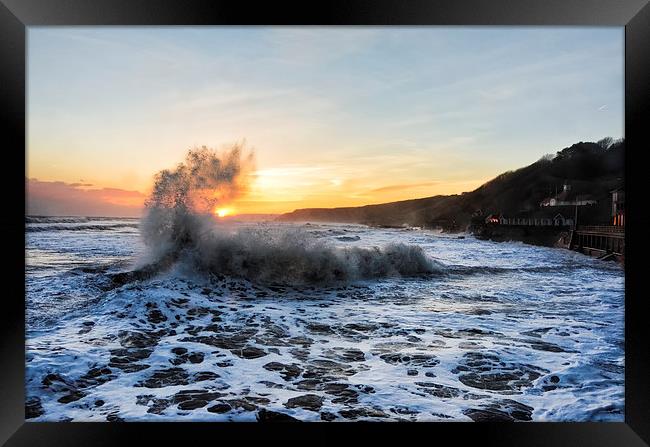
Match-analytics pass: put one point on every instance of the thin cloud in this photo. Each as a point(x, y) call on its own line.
point(392, 188)
point(64, 199)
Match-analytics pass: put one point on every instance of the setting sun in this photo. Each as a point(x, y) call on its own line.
point(223, 212)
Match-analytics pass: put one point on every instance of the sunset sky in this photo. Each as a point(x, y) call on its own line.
point(337, 116)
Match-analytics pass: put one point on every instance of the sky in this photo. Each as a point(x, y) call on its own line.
point(336, 116)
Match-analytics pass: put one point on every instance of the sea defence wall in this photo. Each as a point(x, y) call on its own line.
point(548, 236)
point(604, 242)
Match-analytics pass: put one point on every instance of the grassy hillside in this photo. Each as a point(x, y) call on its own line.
point(591, 168)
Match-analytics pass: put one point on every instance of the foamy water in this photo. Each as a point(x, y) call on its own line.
point(497, 331)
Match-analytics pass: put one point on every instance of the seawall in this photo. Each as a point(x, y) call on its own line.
point(547, 236)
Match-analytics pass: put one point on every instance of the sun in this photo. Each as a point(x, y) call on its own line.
point(223, 212)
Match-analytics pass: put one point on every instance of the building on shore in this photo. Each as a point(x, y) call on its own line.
point(537, 218)
point(618, 207)
point(568, 198)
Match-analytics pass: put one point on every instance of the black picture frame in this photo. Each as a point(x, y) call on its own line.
point(16, 15)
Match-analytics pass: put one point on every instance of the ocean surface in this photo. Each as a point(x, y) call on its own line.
point(502, 331)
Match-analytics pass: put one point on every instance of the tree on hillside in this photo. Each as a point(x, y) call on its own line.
point(606, 142)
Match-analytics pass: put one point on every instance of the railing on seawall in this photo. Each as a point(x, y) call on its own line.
point(602, 229)
point(598, 239)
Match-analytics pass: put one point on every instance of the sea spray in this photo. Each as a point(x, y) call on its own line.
point(179, 227)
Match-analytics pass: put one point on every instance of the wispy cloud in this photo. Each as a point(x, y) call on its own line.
point(393, 188)
point(60, 198)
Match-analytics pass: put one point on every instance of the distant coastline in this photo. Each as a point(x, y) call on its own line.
point(588, 171)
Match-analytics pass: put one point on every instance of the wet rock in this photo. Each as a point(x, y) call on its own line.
point(469, 345)
point(131, 368)
point(95, 376)
point(220, 408)
point(308, 402)
point(273, 416)
point(143, 399)
point(361, 327)
point(487, 371)
point(537, 332)
point(230, 342)
point(345, 355)
point(319, 329)
point(166, 377)
point(322, 369)
point(545, 346)
point(33, 408)
point(71, 397)
point(273, 335)
point(272, 385)
point(196, 357)
point(56, 382)
point(179, 351)
point(155, 316)
point(437, 390)
point(476, 332)
point(217, 329)
point(134, 339)
point(389, 347)
point(554, 380)
point(412, 372)
point(194, 330)
point(198, 311)
point(99, 403)
point(420, 360)
point(288, 372)
point(327, 416)
point(127, 359)
point(270, 340)
point(305, 342)
point(344, 394)
point(503, 411)
point(442, 415)
point(357, 413)
point(122, 278)
point(367, 389)
point(249, 352)
point(192, 399)
point(300, 354)
point(243, 404)
point(309, 384)
point(479, 312)
point(86, 328)
point(403, 410)
point(202, 376)
point(113, 417)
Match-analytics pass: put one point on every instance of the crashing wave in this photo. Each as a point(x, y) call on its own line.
point(178, 228)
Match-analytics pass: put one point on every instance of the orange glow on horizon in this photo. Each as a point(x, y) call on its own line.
point(223, 212)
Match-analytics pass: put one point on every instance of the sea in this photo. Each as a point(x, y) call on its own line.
point(497, 331)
